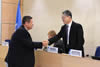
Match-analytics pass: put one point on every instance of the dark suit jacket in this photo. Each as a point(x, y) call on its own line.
point(21, 49)
point(60, 45)
point(76, 38)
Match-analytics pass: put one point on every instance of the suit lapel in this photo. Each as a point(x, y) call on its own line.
point(71, 31)
point(26, 32)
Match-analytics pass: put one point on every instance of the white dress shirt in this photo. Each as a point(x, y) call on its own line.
point(68, 34)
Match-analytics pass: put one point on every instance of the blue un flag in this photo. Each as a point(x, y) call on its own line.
point(18, 17)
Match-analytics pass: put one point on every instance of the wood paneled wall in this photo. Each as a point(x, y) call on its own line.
point(9, 9)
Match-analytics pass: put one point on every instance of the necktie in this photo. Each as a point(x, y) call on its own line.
point(67, 33)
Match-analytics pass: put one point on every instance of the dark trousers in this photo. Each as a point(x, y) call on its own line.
point(14, 65)
point(11, 65)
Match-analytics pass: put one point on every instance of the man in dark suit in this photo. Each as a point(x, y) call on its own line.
point(21, 47)
point(71, 32)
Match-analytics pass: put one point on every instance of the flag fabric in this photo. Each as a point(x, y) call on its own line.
point(18, 17)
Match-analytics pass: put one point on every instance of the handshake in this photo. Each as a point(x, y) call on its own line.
point(45, 43)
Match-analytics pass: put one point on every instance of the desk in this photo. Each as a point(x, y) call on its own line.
point(45, 59)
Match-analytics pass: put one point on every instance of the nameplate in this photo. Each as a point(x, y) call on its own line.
point(5, 43)
point(77, 53)
point(52, 49)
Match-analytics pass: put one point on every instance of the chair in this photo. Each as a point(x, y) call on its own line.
point(97, 53)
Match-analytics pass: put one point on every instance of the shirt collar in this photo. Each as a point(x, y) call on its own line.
point(69, 25)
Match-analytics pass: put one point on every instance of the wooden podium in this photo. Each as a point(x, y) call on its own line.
point(45, 59)
point(3, 53)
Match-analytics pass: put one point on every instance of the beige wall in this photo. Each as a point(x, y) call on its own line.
point(9, 9)
point(47, 16)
